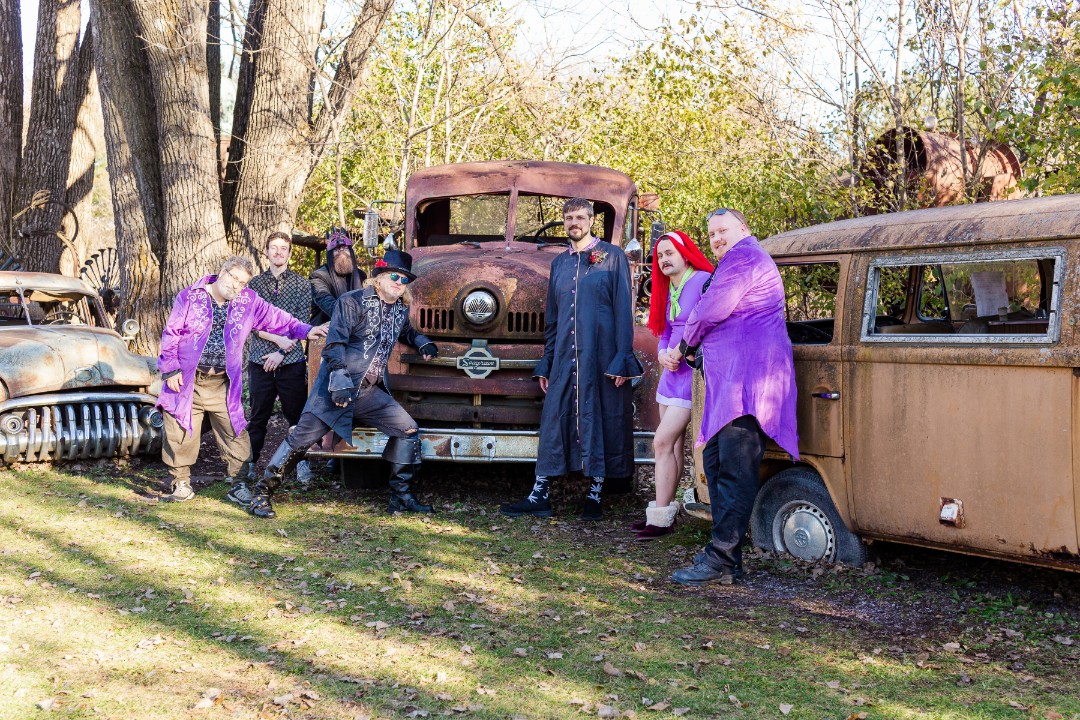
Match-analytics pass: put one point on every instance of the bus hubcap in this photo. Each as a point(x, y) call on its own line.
point(804, 531)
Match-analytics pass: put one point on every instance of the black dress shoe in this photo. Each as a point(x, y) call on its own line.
point(592, 510)
point(703, 574)
point(527, 506)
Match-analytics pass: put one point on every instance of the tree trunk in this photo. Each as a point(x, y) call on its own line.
point(275, 154)
point(175, 35)
point(131, 142)
point(47, 155)
point(11, 114)
point(281, 147)
point(80, 181)
point(213, 70)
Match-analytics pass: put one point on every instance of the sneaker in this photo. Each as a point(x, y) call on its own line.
point(303, 474)
point(540, 509)
point(239, 493)
point(181, 491)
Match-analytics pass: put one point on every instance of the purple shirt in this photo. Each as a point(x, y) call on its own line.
point(741, 329)
point(185, 335)
point(677, 388)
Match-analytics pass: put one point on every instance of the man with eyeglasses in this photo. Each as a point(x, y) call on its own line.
point(739, 331)
point(365, 326)
point(201, 363)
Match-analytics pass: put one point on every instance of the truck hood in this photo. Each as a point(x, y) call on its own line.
point(53, 358)
point(519, 273)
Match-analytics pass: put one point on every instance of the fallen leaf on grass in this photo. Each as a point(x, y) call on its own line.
point(520, 652)
point(680, 711)
point(834, 684)
point(660, 706)
point(606, 711)
point(47, 705)
point(1063, 640)
point(639, 647)
point(736, 702)
point(378, 625)
point(1051, 715)
point(283, 700)
point(611, 670)
point(1017, 705)
point(857, 716)
point(554, 656)
point(786, 709)
point(951, 647)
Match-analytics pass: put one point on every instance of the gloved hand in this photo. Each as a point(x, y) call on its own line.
point(341, 387)
point(429, 350)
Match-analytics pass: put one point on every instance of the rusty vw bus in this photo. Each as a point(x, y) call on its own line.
point(937, 355)
point(482, 236)
point(69, 386)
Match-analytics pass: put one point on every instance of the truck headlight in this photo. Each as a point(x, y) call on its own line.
point(479, 307)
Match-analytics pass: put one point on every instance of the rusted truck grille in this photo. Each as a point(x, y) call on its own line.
point(525, 322)
point(436, 319)
point(72, 426)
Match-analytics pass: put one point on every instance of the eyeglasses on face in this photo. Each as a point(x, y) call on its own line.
point(237, 281)
point(403, 279)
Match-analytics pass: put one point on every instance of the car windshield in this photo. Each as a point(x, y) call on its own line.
point(38, 307)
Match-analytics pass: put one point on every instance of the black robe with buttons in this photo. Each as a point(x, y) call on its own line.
point(587, 422)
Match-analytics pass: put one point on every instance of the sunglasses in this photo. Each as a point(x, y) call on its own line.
point(403, 279)
point(718, 211)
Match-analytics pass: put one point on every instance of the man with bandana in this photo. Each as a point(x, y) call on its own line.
point(336, 277)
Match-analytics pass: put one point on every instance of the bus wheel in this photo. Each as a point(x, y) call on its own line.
point(794, 514)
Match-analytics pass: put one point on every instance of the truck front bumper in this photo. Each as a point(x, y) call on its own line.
point(469, 445)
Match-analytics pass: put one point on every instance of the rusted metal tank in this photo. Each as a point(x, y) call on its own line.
point(934, 168)
point(69, 386)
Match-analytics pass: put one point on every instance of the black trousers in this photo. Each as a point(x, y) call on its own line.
point(732, 460)
point(289, 384)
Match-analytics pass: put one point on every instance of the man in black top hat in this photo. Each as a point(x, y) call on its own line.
point(363, 330)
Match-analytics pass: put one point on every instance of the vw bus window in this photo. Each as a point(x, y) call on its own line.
point(810, 300)
point(1005, 298)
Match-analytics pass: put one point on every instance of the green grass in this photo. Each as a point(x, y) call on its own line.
point(114, 607)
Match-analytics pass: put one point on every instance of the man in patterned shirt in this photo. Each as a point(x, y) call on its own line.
point(202, 353)
point(277, 367)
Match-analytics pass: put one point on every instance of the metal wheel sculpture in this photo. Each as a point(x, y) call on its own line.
point(102, 272)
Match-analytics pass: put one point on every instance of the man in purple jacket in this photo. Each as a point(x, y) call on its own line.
point(201, 362)
point(739, 329)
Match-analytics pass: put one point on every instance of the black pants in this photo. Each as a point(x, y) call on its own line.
point(289, 383)
point(732, 460)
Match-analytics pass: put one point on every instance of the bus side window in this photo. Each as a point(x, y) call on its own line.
point(810, 301)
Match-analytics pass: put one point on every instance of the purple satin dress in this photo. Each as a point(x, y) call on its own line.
point(677, 388)
point(741, 328)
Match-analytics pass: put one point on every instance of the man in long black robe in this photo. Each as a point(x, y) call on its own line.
point(587, 421)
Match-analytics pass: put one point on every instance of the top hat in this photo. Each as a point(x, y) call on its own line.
point(395, 261)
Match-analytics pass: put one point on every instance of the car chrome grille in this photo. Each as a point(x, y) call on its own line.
point(82, 430)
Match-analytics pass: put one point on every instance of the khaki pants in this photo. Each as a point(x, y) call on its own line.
point(180, 449)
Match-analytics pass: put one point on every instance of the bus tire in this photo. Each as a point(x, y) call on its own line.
point(794, 514)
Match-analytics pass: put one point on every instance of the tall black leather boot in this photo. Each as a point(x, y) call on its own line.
point(403, 454)
point(281, 463)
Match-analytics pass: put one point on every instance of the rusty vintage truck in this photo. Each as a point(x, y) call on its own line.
point(483, 236)
point(69, 387)
point(937, 358)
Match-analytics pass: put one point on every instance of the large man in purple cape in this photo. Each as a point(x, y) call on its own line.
point(587, 421)
point(739, 329)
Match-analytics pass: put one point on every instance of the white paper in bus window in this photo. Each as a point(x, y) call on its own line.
point(990, 292)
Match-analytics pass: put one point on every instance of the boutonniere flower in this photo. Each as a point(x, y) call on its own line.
point(597, 256)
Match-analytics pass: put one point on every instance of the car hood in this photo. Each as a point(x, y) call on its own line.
point(51, 358)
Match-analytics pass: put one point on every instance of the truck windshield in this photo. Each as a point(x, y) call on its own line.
point(483, 218)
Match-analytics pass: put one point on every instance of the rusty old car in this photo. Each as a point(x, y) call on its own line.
point(69, 387)
point(483, 236)
point(937, 355)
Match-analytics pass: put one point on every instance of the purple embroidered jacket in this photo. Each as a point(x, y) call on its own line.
point(740, 326)
point(185, 335)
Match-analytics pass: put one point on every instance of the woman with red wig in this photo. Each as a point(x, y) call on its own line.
point(679, 271)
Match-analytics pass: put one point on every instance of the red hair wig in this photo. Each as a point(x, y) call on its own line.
point(658, 303)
